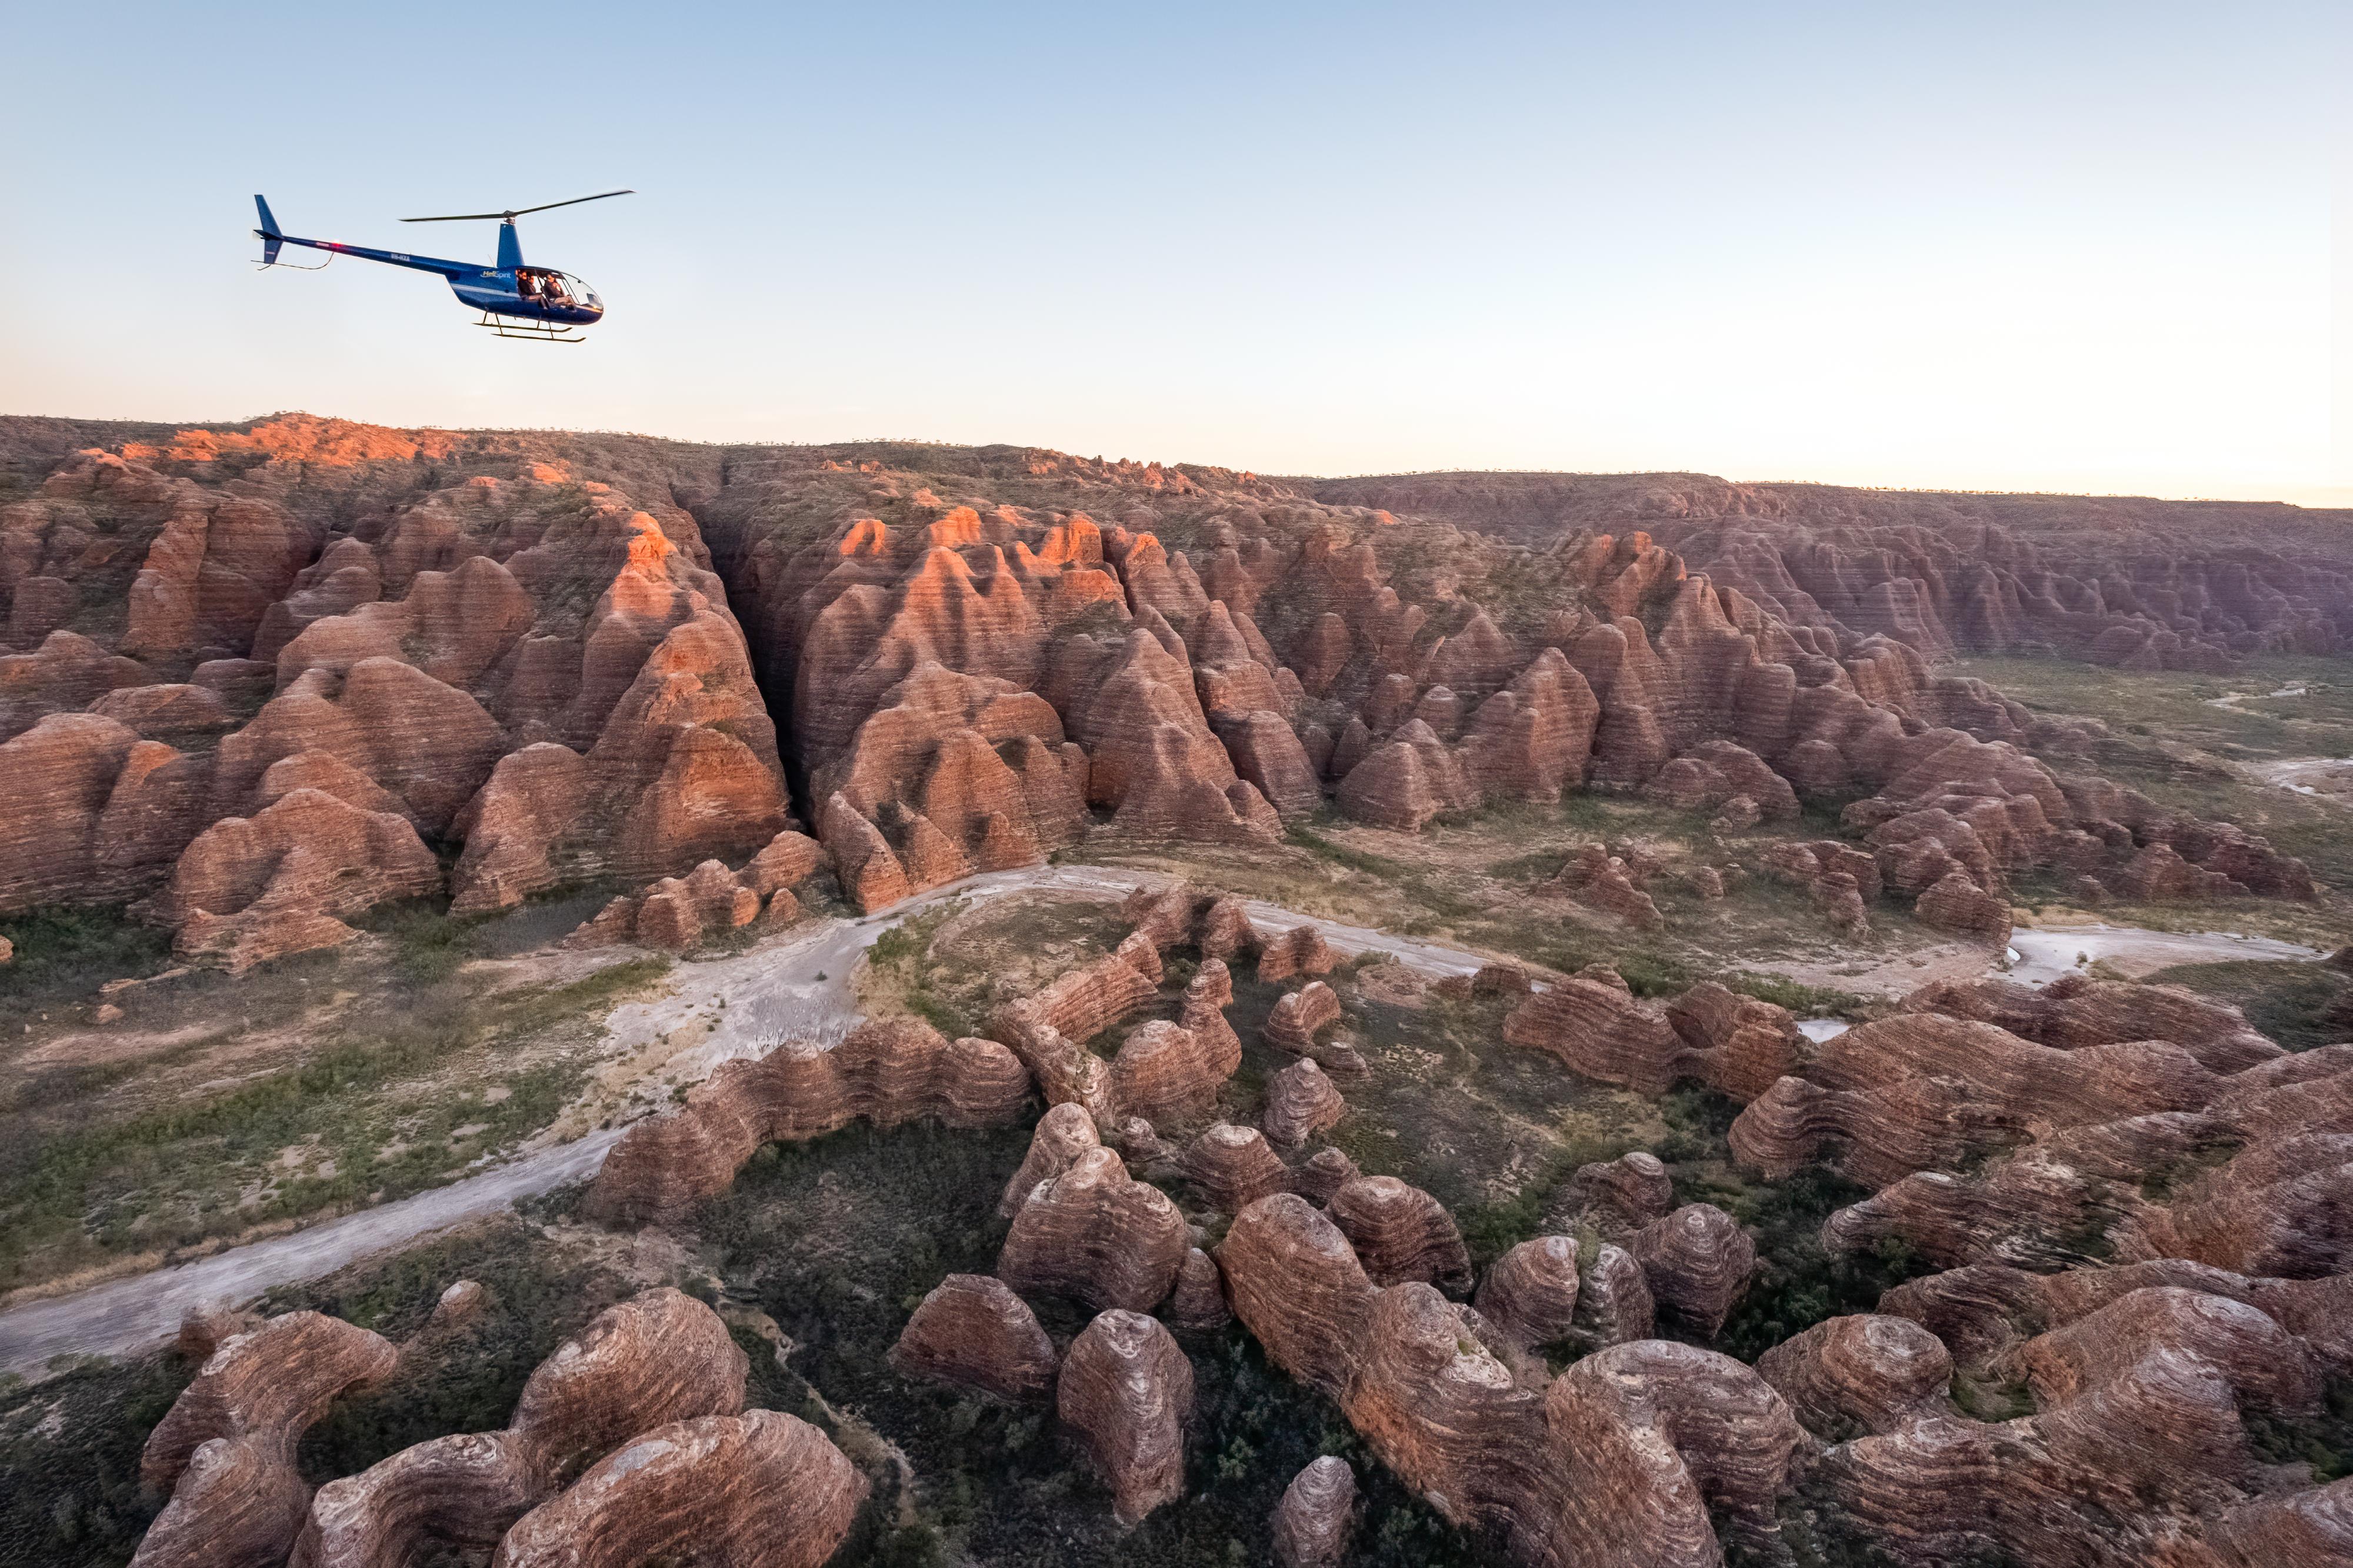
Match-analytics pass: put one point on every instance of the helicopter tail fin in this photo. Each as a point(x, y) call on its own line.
point(270, 239)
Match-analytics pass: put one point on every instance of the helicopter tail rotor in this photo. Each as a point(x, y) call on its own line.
point(270, 238)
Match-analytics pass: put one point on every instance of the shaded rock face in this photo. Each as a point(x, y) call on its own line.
point(762, 1488)
point(1127, 1391)
point(975, 1333)
point(887, 1072)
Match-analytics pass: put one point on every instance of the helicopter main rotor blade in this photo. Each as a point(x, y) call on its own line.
point(471, 217)
point(573, 203)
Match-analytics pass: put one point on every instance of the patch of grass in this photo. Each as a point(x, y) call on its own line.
point(2299, 1005)
point(428, 945)
point(2324, 1441)
point(70, 1492)
point(1802, 1001)
point(65, 954)
point(527, 1011)
point(1419, 888)
point(372, 1110)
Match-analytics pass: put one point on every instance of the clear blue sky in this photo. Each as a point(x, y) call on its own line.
point(2056, 245)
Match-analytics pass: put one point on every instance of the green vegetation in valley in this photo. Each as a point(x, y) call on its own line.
point(2299, 1005)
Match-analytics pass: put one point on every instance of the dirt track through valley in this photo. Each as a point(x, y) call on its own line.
point(796, 986)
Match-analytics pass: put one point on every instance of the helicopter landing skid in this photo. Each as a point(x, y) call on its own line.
point(530, 331)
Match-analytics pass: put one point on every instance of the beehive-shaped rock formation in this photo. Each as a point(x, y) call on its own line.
point(973, 1331)
point(1095, 1236)
point(1127, 1390)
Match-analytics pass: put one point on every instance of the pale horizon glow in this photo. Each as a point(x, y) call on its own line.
point(2074, 248)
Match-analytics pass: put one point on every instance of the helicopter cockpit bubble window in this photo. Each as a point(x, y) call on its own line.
point(578, 289)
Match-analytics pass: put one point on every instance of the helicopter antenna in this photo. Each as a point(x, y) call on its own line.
point(511, 216)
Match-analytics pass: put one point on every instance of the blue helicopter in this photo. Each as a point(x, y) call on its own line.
point(535, 303)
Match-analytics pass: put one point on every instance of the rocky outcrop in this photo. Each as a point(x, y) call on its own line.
point(225, 1452)
point(1697, 1262)
point(1315, 1521)
point(1437, 1403)
point(1167, 1071)
point(1851, 1375)
point(762, 1488)
point(1198, 1304)
point(1061, 1135)
point(1324, 1173)
point(1127, 1391)
point(887, 1072)
point(1401, 1233)
point(1601, 882)
point(1530, 1292)
point(1613, 1300)
point(659, 1357)
point(1922, 1091)
point(2075, 1010)
point(1296, 1284)
point(1666, 1437)
point(1301, 949)
point(679, 913)
point(1233, 1167)
point(1095, 1236)
point(971, 1332)
point(1618, 1197)
point(282, 882)
point(1300, 1102)
point(1600, 1032)
point(1298, 1017)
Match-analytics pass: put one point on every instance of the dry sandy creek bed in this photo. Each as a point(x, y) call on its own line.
point(798, 984)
